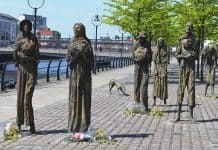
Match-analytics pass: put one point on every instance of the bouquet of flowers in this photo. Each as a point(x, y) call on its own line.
point(80, 136)
point(11, 132)
point(156, 112)
point(103, 139)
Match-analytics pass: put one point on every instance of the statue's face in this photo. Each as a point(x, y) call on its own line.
point(161, 43)
point(189, 28)
point(26, 27)
point(77, 30)
point(142, 40)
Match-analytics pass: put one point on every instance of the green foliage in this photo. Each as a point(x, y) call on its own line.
point(12, 133)
point(133, 111)
point(156, 112)
point(103, 139)
point(211, 97)
point(203, 13)
point(164, 18)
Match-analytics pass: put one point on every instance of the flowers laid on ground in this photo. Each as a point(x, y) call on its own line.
point(92, 136)
point(212, 97)
point(11, 132)
point(133, 108)
point(103, 139)
point(133, 111)
point(156, 112)
point(82, 136)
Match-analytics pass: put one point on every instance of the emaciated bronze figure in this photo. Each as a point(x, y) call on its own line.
point(209, 54)
point(160, 57)
point(80, 58)
point(26, 56)
point(142, 56)
point(186, 54)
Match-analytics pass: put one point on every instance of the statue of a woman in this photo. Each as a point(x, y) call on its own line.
point(80, 59)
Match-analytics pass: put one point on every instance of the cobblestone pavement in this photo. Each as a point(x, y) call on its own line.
point(139, 132)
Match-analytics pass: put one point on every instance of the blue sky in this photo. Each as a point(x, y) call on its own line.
point(63, 14)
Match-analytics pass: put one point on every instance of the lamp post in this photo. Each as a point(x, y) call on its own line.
point(122, 44)
point(35, 12)
point(96, 21)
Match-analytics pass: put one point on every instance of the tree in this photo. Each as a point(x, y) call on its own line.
point(164, 18)
point(150, 16)
point(204, 15)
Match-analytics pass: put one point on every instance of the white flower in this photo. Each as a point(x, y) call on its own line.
point(8, 127)
point(11, 132)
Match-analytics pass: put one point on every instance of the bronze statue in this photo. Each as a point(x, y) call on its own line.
point(209, 54)
point(160, 58)
point(80, 59)
point(142, 57)
point(186, 54)
point(120, 87)
point(26, 56)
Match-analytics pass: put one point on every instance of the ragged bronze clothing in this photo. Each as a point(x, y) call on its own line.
point(80, 58)
point(160, 57)
point(186, 79)
point(186, 54)
point(141, 74)
point(26, 56)
point(25, 88)
point(210, 56)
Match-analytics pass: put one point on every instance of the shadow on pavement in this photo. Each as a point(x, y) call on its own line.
point(51, 132)
point(131, 135)
point(210, 120)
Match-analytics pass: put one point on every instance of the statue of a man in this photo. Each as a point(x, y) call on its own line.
point(186, 54)
point(80, 58)
point(142, 56)
point(210, 56)
point(26, 56)
point(160, 58)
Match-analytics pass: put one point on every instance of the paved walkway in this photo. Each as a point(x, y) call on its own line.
point(139, 132)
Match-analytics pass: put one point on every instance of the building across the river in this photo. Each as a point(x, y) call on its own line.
point(8, 29)
point(40, 23)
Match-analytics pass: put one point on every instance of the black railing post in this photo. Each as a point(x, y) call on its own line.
point(114, 62)
point(202, 69)
point(110, 60)
point(48, 70)
point(67, 71)
point(58, 71)
point(37, 63)
point(3, 77)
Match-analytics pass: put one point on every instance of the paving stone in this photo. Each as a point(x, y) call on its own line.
point(137, 132)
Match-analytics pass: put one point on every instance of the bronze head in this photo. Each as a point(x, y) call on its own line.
point(160, 42)
point(79, 30)
point(142, 39)
point(189, 27)
point(25, 26)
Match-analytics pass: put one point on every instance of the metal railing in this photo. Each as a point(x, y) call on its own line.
point(50, 69)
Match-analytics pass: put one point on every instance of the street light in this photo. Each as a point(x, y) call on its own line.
point(35, 12)
point(96, 21)
point(122, 44)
